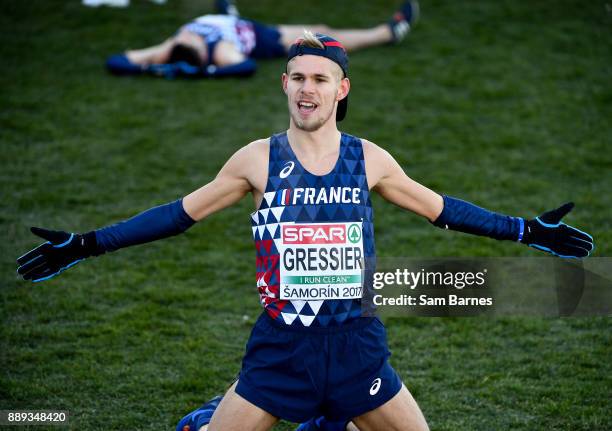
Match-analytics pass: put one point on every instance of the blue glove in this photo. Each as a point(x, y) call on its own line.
point(61, 251)
point(119, 64)
point(548, 234)
point(182, 69)
point(174, 70)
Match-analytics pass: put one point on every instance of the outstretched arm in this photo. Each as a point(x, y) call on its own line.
point(151, 55)
point(231, 184)
point(387, 178)
point(63, 249)
point(243, 68)
point(546, 232)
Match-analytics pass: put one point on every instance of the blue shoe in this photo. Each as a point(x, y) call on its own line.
point(199, 417)
point(322, 424)
point(226, 7)
point(404, 19)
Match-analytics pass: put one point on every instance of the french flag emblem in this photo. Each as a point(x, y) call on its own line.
point(284, 197)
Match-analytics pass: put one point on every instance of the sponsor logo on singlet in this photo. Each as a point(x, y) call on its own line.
point(287, 170)
point(321, 260)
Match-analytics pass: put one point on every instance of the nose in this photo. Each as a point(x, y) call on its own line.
point(308, 86)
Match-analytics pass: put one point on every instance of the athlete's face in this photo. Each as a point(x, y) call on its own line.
point(313, 85)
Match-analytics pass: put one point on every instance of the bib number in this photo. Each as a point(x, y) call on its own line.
point(321, 261)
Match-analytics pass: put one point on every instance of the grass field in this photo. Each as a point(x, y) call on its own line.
point(506, 104)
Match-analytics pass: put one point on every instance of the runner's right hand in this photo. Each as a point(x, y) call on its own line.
point(61, 251)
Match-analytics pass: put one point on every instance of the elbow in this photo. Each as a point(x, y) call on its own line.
point(435, 210)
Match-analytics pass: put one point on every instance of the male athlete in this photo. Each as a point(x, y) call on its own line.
point(311, 353)
point(228, 45)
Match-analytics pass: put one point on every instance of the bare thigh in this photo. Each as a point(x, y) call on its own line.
point(289, 33)
point(237, 414)
point(400, 413)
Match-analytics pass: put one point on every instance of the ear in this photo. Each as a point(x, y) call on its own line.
point(343, 89)
point(285, 80)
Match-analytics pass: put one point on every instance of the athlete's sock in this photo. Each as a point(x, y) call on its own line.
point(199, 417)
point(322, 424)
point(404, 19)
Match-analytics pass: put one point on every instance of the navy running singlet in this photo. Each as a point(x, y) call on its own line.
point(312, 234)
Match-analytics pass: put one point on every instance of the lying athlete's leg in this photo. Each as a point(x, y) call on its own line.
point(400, 413)
point(352, 39)
point(234, 413)
point(392, 31)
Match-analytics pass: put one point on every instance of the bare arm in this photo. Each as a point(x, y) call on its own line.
point(386, 177)
point(545, 233)
point(240, 175)
point(152, 55)
point(243, 172)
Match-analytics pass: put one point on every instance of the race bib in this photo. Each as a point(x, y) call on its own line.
point(321, 261)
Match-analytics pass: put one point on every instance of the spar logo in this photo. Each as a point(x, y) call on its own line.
point(319, 234)
point(354, 233)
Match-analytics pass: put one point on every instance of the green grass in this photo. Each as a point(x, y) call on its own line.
point(507, 104)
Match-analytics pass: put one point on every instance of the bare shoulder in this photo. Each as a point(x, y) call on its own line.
point(251, 163)
point(256, 151)
point(379, 163)
point(373, 152)
point(261, 145)
point(227, 54)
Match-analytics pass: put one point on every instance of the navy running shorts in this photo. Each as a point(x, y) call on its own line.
point(267, 41)
point(299, 373)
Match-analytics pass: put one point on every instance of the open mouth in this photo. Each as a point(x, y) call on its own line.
point(306, 108)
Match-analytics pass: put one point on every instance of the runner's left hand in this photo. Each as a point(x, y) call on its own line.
point(549, 234)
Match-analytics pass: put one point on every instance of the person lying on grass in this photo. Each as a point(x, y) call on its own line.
point(228, 44)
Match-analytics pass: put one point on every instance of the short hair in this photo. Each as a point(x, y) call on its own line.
point(188, 54)
point(310, 40)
